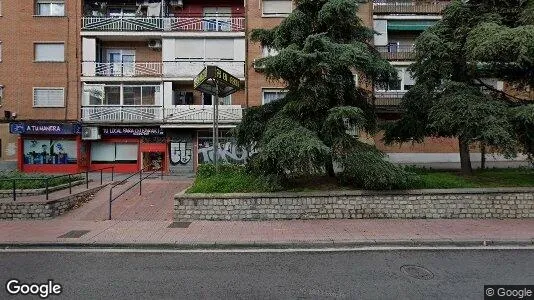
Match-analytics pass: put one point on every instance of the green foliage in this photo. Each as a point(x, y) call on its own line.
point(474, 40)
point(32, 181)
point(230, 179)
point(320, 44)
point(523, 121)
point(367, 169)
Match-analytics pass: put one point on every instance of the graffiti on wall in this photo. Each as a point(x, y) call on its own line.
point(179, 153)
point(228, 151)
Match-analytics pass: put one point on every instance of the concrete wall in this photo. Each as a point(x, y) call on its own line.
point(418, 204)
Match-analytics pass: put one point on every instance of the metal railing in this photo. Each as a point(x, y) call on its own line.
point(140, 182)
point(126, 113)
point(408, 7)
point(388, 100)
point(183, 68)
point(397, 52)
point(49, 178)
point(182, 23)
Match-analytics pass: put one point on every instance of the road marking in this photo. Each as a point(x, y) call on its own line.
point(360, 249)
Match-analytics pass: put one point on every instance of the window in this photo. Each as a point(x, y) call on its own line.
point(121, 153)
point(50, 8)
point(50, 52)
point(208, 99)
point(270, 95)
point(268, 51)
point(277, 7)
point(95, 94)
point(58, 151)
point(1, 94)
point(403, 83)
point(0, 51)
point(48, 97)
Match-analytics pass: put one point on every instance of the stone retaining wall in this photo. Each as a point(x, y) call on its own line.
point(417, 204)
point(15, 210)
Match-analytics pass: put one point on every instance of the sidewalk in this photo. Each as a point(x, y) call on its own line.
point(296, 233)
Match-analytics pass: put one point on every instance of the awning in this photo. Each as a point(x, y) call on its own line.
point(410, 25)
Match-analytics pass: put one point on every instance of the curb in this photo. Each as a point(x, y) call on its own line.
point(274, 245)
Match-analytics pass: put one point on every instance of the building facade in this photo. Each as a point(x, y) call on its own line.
point(90, 84)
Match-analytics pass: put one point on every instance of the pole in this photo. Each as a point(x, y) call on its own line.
point(216, 127)
point(110, 195)
point(140, 181)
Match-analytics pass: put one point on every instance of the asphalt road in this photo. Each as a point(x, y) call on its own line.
point(456, 274)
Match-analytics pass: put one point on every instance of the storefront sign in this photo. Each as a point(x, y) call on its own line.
point(132, 131)
point(45, 128)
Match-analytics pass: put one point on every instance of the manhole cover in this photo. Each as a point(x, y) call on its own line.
point(73, 234)
point(417, 272)
point(179, 225)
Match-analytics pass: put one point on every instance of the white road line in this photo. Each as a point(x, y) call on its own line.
point(119, 250)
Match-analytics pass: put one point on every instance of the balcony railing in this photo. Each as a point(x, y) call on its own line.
point(191, 114)
point(170, 69)
point(188, 23)
point(408, 7)
point(203, 114)
point(190, 69)
point(125, 114)
point(394, 52)
point(388, 100)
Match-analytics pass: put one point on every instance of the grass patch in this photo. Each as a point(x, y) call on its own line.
point(234, 179)
point(489, 178)
point(230, 179)
point(32, 181)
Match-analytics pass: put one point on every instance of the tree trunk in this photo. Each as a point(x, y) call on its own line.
point(482, 156)
point(465, 160)
point(329, 166)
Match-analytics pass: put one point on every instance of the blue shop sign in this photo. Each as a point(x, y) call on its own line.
point(45, 128)
point(132, 131)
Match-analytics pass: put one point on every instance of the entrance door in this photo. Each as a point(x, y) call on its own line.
point(217, 18)
point(153, 161)
point(121, 62)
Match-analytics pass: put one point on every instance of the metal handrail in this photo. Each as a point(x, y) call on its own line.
point(47, 180)
point(140, 182)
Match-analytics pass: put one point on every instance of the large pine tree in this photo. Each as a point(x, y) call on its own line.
point(320, 45)
point(474, 41)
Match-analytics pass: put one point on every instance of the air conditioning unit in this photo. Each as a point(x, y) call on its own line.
point(90, 133)
point(154, 44)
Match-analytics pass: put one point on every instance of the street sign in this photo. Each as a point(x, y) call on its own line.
point(226, 83)
point(216, 81)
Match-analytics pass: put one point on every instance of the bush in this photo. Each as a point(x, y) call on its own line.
point(367, 169)
point(231, 178)
point(32, 181)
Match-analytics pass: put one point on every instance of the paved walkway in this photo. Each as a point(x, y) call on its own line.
point(154, 204)
point(277, 233)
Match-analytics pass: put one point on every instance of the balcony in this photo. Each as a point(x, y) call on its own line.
point(183, 23)
point(395, 52)
point(203, 114)
point(388, 100)
point(188, 114)
point(408, 7)
point(171, 69)
point(122, 114)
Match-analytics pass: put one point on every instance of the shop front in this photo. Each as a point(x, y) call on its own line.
point(129, 149)
point(48, 147)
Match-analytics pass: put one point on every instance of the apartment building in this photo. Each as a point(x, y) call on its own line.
point(39, 90)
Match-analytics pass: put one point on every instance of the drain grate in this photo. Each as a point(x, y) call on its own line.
point(179, 225)
point(417, 272)
point(73, 234)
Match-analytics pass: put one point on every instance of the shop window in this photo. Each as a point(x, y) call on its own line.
point(40, 152)
point(114, 153)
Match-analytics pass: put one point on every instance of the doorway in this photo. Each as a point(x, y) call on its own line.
point(121, 62)
point(153, 161)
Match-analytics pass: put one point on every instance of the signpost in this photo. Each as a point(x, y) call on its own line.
point(215, 81)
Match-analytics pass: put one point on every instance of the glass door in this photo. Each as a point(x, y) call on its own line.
point(121, 62)
point(217, 18)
